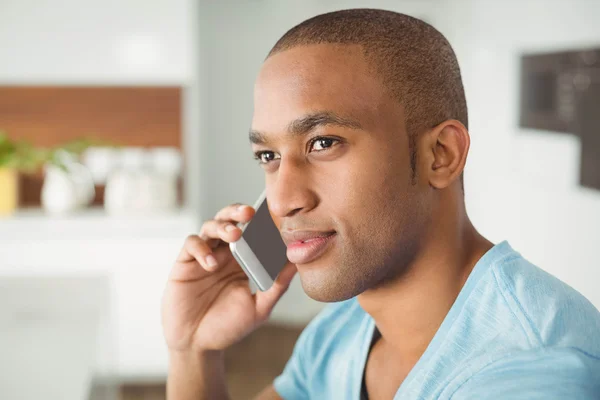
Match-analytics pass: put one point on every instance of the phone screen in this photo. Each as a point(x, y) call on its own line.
point(264, 239)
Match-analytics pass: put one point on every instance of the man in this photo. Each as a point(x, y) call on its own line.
point(360, 124)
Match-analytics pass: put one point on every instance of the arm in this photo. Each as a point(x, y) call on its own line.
point(204, 375)
point(196, 377)
point(268, 393)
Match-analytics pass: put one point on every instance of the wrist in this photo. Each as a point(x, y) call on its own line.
point(196, 375)
point(195, 356)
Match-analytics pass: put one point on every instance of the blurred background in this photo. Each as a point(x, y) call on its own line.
point(123, 125)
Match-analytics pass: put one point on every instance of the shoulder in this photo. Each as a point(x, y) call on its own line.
point(553, 313)
point(549, 374)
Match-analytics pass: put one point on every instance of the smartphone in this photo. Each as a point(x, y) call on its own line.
point(260, 251)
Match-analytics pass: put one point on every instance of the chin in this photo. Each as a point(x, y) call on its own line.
point(328, 284)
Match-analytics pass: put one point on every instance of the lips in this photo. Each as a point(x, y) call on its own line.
point(306, 246)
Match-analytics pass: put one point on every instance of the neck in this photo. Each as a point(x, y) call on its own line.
point(409, 311)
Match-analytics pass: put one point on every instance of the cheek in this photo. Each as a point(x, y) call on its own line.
point(369, 178)
point(370, 192)
point(276, 220)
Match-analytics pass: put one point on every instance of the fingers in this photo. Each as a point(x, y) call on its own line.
point(190, 267)
point(204, 252)
point(196, 249)
point(223, 226)
point(265, 301)
point(221, 230)
point(235, 212)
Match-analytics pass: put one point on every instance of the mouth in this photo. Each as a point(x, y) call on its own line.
point(306, 246)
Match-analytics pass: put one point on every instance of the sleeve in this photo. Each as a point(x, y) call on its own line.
point(546, 374)
point(294, 381)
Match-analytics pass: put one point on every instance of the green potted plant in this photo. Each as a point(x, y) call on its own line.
point(18, 156)
point(14, 156)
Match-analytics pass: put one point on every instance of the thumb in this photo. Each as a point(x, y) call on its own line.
point(265, 301)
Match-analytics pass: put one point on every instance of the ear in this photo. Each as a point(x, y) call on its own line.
point(446, 149)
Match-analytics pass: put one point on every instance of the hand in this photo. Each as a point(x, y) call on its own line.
point(207, 304)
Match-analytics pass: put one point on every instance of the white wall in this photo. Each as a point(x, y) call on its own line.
point(522, 185)
point(110, 41)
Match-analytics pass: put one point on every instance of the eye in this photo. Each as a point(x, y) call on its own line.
point(322, 143)
point(264, 157)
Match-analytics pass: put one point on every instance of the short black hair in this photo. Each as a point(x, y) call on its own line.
point(413, 59)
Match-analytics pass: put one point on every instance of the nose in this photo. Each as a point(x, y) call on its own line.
point(289, 190)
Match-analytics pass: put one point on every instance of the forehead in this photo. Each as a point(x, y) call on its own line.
point(312, 78)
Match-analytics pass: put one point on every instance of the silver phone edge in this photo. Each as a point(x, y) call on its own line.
point(261, 278)
point(265, 281)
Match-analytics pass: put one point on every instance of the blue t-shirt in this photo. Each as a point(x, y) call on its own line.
point(514, 332)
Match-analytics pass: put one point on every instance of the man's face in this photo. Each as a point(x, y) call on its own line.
point(335, 152)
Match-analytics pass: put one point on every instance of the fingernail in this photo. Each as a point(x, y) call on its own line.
point(211, 261)
point(229, 228)
point(241, 208)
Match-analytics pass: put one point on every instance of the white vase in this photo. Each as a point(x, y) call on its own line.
point(119, 192)
point(84, 183)
point(59, 192)
point(66, 190)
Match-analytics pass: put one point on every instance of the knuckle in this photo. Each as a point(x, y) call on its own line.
point(207, 223)
point(226, 210)
point(206, 228)
point(219, 230)
point(193, 241)
point(230, 209)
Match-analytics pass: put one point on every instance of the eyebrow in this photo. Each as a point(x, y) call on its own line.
point(307, 123)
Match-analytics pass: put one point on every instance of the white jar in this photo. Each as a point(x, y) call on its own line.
point(59, 192)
